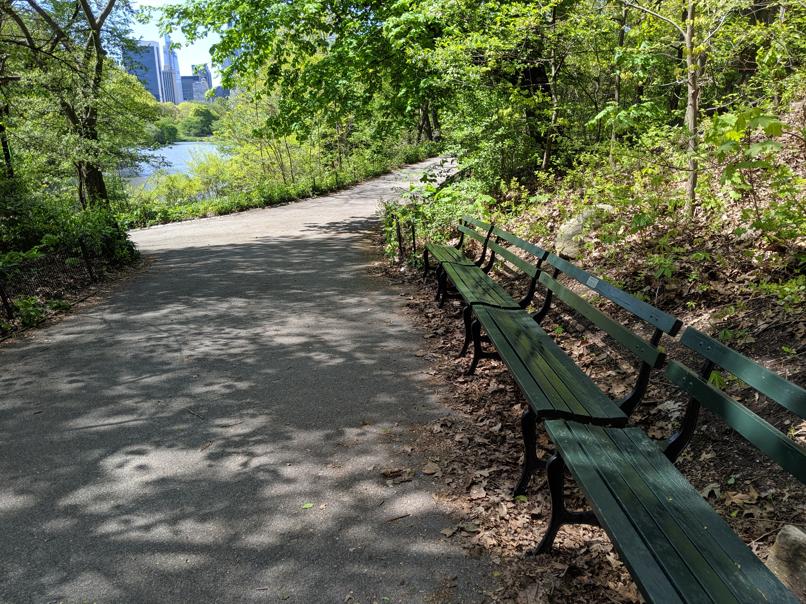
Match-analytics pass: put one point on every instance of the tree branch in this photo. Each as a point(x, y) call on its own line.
point(55, 27)
point(656, 15)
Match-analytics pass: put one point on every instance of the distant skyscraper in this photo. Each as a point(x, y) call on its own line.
point(203, 71)
point(187, 87)
point(172, 81)
point(143, 62)
point(195, 87)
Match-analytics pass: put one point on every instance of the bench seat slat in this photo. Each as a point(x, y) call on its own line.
point(545, 401)
point(631, 341)
point(668, 518)
point(533, 345)
point(542, 380)
point(550, 380)
point(704, 523)
point(447, 253)
point(770, 384)
point(476, 287)
point(654, 583)
point(686, 567)
point(663, 321)
point(787, 453)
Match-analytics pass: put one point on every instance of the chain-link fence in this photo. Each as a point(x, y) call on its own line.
point(54, 275)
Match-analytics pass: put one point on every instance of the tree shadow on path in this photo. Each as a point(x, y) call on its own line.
point(166, 444)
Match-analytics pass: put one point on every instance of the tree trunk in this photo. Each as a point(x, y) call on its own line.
point(436, 125)
point(91, 180)
point(692, 108)
point(290, 160)
point(427, 127)
point(549, 145)
point(4, 143)
point(622, 22)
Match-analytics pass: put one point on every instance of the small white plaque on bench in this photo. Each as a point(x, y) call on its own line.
point(592, 282)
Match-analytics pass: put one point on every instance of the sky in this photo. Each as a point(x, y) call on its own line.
point(196, 53)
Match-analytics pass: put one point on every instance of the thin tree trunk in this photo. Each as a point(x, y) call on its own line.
point(290, 160)
point(429, 131)
point(692, 108)
point(7, 161)
point(549, 145)
point(622, 22)
point(435, 124)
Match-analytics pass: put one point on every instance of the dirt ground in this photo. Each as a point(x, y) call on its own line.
point(475, 453)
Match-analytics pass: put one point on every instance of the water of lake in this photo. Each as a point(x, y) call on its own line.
point(173, 159)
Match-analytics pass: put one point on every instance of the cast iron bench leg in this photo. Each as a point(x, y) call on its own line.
point(442, 286)
point(555, 469)
point(467, 315)
point(530, 460)
point(478, 352)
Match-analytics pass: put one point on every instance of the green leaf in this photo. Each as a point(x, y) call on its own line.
point(307, 506)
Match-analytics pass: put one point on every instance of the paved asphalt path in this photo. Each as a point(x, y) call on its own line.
point(215, 430)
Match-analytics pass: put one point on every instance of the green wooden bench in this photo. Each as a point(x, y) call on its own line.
point(469, 228)
point(553, 385)
point(469, 278)
point(477, 288)
point(677, 548)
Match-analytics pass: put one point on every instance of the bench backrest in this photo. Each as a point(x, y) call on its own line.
point(478, 230)
point(647, 351)
point(530, 266)
point(502, 249)
point(763, 435)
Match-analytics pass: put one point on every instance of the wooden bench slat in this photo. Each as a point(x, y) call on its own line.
point(706, 523)
point(473, 234)
point(663, 321)
point(448, 253)
point(534, 345)
point(526, 246)
point(639, 559)
point(485, 226)
point(513, 259)
point(767, 382)
point(546, 402)
point(688, 569)
point(476, 288)
point(667, 512)
point(543, 370)
point(788, 454)
point(631, 341)
point(562, 401)
point(686, 526)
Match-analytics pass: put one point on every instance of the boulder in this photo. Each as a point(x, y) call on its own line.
point(569, 235)
point(787, 559)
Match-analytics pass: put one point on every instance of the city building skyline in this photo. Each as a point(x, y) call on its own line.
point(143, 62)
point(172, 79)
point(159, 72)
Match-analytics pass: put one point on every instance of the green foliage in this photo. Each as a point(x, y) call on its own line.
point(790, 293)
point(165, 131)
point(29, 310)
point(198, 122)
point(434, 212)
point(219, 185)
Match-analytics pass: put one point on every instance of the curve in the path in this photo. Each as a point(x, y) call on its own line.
point(216, 429)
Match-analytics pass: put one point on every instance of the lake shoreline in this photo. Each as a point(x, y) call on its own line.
point(176, 158)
